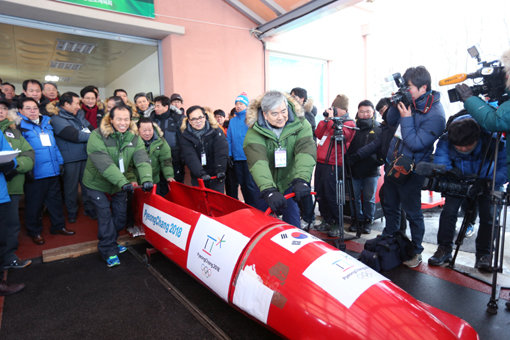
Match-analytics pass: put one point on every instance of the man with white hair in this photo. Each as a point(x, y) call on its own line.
point(280, 152)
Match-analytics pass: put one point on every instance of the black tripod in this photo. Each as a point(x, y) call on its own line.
point(336, 139)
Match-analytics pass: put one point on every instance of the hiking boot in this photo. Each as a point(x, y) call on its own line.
point(366, 229)
point(414, 262)
point(483, 263)
point(113, 261)
point(440, 257)
point(324, 226)
point(17, 264)
point(122, 249)
point(353, 228)
point(334, 231)
point(306, 225)
point(470, 230)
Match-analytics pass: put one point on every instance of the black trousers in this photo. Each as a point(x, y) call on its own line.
point(325, 186)
point(39, 192)
point(12, 228)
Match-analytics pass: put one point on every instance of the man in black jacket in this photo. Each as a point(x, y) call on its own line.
point(170, 120)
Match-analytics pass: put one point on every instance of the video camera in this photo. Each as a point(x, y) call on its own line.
point(402, 95)
point(449, 182)
point(492, 84)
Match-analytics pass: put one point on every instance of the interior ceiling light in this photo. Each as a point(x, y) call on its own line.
point(49, 77)
point(65, 65)
point(75, 46)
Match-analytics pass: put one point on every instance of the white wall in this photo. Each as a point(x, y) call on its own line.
point(144, 77)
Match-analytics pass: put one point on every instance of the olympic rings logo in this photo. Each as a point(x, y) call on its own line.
point(206, 270)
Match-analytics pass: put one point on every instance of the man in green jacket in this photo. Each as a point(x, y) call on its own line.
point(15, 180)
point(158, 150)
point(280, 151)
point(113, 149)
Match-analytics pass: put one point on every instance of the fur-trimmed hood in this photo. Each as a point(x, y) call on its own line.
point(157, 130)
point(308, 105)
point(14, 117)
point(212, 122)
point(52, 108)
point(254, 110)
point(106, 127)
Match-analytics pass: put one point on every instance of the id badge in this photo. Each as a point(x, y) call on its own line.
point(86, 130)
point(121, 165)
point(45, 139)
point(203, 159)
point(280, 158)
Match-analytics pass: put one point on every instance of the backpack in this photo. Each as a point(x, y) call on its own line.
point(386, 252)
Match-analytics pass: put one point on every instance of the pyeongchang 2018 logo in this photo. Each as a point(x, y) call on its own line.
point(211, 245)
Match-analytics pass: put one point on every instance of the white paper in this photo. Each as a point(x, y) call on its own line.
point(7, 156)
point(45, 139)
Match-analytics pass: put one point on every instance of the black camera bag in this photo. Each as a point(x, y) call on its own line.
point(386, 252)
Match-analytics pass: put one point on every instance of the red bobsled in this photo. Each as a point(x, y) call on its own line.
point(290, 281)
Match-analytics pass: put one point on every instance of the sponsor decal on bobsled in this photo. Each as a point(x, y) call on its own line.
point(167, 226)
point(213, 253)
point(342, 276)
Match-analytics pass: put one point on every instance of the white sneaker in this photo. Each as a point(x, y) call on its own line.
point(414, 262)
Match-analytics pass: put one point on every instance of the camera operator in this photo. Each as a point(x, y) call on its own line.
point(325, 179)
point(419, 125)
point(490, 118)
point(464, 149)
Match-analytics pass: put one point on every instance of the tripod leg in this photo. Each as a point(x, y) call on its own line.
point(468, 217)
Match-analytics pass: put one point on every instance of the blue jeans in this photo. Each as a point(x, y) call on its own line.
point(407, 196)
point(109, 222)
point(251, 192)
point(368, 187)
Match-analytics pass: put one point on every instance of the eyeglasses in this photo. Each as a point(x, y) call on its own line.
point(196, 119)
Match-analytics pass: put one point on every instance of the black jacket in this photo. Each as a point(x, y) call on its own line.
point(215, 146)
point(369, 130)
point(170, 123)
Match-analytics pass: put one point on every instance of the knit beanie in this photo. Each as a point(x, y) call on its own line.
point(243, 98)
point(341, 101)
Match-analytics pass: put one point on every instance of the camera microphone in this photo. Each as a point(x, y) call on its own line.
point(458, 78)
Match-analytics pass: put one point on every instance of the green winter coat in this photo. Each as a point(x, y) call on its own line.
point(496, 120)
point(104, 148)
point(260, 144)
point(160, 155)
point(25, 159)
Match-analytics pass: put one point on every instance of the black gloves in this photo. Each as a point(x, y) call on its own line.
point(220, 176)
point(147, 186)
point(300, 188)
point(128, 187)
point(6, 167)
point(10, 174)
point(206, 177)
point(464, 91)
point(274, 200)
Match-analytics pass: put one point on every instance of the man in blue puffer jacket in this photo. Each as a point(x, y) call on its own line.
point(45, 186)
point(468, 150)
point(419, 125)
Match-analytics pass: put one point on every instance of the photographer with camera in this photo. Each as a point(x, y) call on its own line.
point(336, 122)
point(420, 118)
point(467, 150)
point(490, 118)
